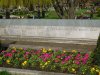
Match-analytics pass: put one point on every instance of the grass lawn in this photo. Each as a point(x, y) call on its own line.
point(51, 15)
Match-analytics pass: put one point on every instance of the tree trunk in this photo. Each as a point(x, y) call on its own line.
point(71, 11)
point(38, 12)
point(43, 14)
point(59, 9)
point(43, 11)
point(65, 9)
point(7, 14)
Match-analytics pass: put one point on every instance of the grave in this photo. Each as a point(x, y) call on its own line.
point(39, 33)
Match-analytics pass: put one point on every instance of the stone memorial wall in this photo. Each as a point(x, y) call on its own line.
point(60, 30)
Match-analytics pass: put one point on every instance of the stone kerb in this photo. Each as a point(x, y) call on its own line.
point(30, 72)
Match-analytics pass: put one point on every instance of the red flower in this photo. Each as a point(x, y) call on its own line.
point(77, 62)
point(8, 55)
point(13, 51)
point(56, 60)
point(58, 56)
point(63, 62)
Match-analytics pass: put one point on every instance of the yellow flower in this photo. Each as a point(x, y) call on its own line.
point(74, 51)
point(92, 69)
point(0, 58)
point(64, 51)
point(97, 70)
point(73, 69)
point(8, 61)
point(49, 49)
point(21, 48)
point(99, 73)
point(43, 66)
point(44, 50)
point(14, 48)
point(24, 63)
point(48, 61)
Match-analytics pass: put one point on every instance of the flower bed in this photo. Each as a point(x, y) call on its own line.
point(48, 60)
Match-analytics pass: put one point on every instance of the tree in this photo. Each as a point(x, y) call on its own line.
point(8, 4)
point(39, 5)
point(5, 4)
point(65, 8)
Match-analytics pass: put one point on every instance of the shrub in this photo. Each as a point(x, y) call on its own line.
point(98, 12)
point(4, 73)
point(96, 53)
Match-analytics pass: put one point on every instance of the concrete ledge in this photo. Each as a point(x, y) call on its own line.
point(51, 40)
point(30, 72)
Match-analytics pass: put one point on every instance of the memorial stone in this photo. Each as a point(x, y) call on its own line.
point(54, 31)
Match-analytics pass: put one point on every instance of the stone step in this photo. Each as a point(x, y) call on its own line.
point(68, 47)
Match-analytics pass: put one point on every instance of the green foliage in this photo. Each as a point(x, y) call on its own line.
point(26, 3)
point(96, 53)
point(8, 3)
point(4, 73)
point(51, 15)
point(98, 12)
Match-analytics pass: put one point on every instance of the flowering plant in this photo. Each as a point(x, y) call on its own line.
point(46, 59)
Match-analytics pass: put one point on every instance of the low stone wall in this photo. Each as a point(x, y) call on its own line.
point(56, 31)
